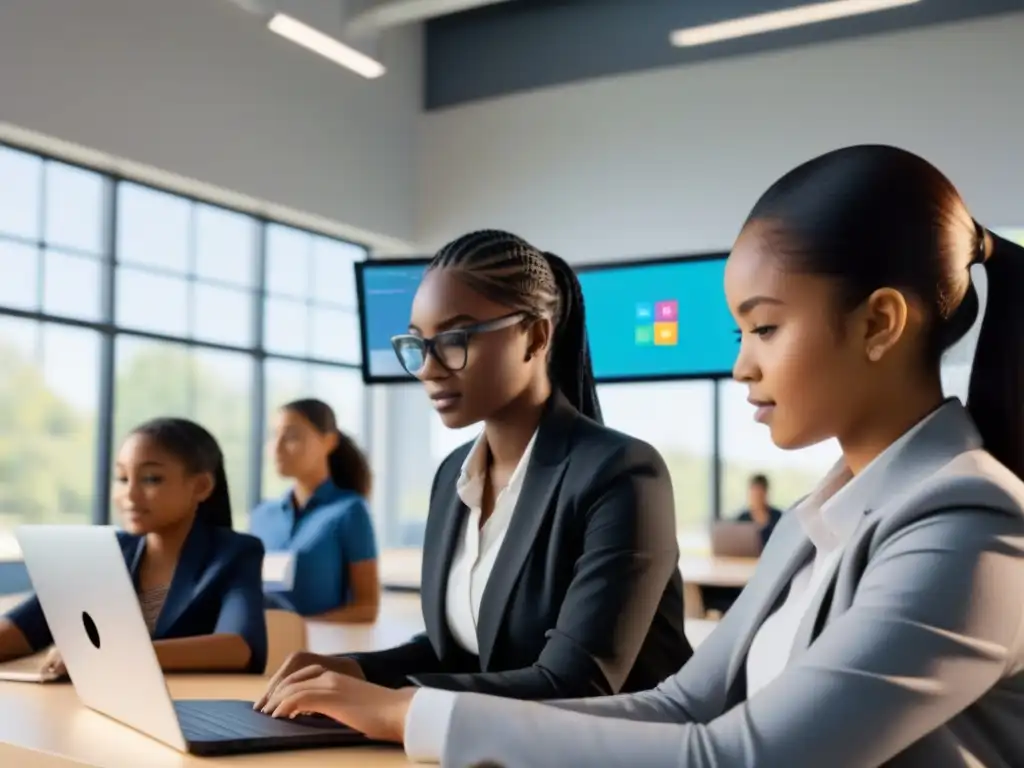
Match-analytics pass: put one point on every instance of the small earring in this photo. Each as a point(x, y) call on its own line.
point(874, 354)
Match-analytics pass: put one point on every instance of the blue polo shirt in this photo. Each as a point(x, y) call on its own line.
point(333, 531)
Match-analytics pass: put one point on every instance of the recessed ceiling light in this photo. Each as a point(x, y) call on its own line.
point(302, 34)
point(776, 20)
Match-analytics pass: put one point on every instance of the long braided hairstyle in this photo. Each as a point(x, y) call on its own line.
point(509, 271)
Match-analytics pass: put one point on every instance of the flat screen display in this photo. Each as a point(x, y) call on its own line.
point(665, 319)
point(647, 320)
point(386, 289)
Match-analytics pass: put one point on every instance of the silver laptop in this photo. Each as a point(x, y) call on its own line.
point(90, 604)
point(731, 538)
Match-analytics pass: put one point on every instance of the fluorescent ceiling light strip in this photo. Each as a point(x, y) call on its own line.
point(776, 20)
point(302, 34)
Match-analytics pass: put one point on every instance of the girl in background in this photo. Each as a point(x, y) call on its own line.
point(199, 582)
point(323, 522)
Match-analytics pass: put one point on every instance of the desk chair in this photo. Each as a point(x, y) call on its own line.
point(286, 634)
point(693, 601)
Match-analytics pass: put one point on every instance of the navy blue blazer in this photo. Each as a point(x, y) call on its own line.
point(217, 588)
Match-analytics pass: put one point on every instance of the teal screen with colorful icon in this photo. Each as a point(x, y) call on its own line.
point(659, 320)
point(649, 320)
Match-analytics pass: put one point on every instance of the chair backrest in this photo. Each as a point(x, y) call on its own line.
point(286, 634)
point(693, 601)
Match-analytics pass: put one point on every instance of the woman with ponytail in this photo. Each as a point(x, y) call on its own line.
point(550, 555)
point(199, 582)
point(322, 524)
point(884, 624)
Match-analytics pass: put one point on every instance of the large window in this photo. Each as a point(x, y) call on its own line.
point(119, 302)
point(48, 406)
point(746, 449)
point(677, 419)
point(704, 430)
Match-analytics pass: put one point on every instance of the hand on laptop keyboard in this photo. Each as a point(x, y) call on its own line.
point(316, 720)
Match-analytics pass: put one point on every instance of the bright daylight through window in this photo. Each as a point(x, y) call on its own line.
point(119, 302)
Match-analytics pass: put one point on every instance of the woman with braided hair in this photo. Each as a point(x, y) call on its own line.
point(884, 624)
point(550, 555)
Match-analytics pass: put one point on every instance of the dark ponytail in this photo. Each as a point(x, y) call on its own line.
point(509, 271)
point(216, 508)
point(875, 216)
point(198, 450)
point(995, 397)
point(347, 464)
point(572, 370)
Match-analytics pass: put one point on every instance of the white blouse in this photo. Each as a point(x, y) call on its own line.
point(478, 548)
point(430, 711)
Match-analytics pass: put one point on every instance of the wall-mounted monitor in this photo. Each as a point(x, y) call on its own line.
point(386, 288)
point(647, 320)
point(659, 319)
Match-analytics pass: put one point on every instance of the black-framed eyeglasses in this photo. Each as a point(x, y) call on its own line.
point(449, 348)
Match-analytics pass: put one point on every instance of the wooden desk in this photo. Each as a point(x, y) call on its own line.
point(44, 726)
point(711, 571)
point(400, 618)
point(400, 569)
point(47, 724)
point(21, 758)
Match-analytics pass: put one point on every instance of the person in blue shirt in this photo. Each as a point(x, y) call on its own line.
point(323, 522)
point(199, 582)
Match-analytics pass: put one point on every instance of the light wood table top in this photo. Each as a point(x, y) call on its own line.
point(16, 757)
point(47, 723)
point(711, 571)
point(401, 568)
point(400, 618)
point(45, 726)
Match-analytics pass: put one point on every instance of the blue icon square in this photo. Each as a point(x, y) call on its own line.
point(644, 312)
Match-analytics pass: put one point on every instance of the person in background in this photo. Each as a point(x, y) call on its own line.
point(883, 626)
point(199, 582)
point(759, 510)
point(550, 564)
point(323, 522)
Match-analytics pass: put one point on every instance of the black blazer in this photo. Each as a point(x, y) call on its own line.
point(585, 598)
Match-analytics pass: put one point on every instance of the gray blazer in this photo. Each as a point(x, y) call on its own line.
point(911, 658)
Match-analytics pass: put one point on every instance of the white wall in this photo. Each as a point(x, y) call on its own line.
point(670, 161)
point(201, 89)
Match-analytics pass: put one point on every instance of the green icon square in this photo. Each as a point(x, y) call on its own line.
point(644, 334)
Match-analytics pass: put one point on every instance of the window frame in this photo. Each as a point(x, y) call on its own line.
point(110, 330)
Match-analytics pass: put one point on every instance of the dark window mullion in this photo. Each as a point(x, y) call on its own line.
point(41, 245)
point(310, 289)
point(190, 319)
point(716, 449)
point(107, 363)
point(257, 413)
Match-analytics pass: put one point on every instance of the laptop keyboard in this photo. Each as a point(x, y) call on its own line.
point(226, 720)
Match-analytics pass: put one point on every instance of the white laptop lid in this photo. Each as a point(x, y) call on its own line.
point(79, 575)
